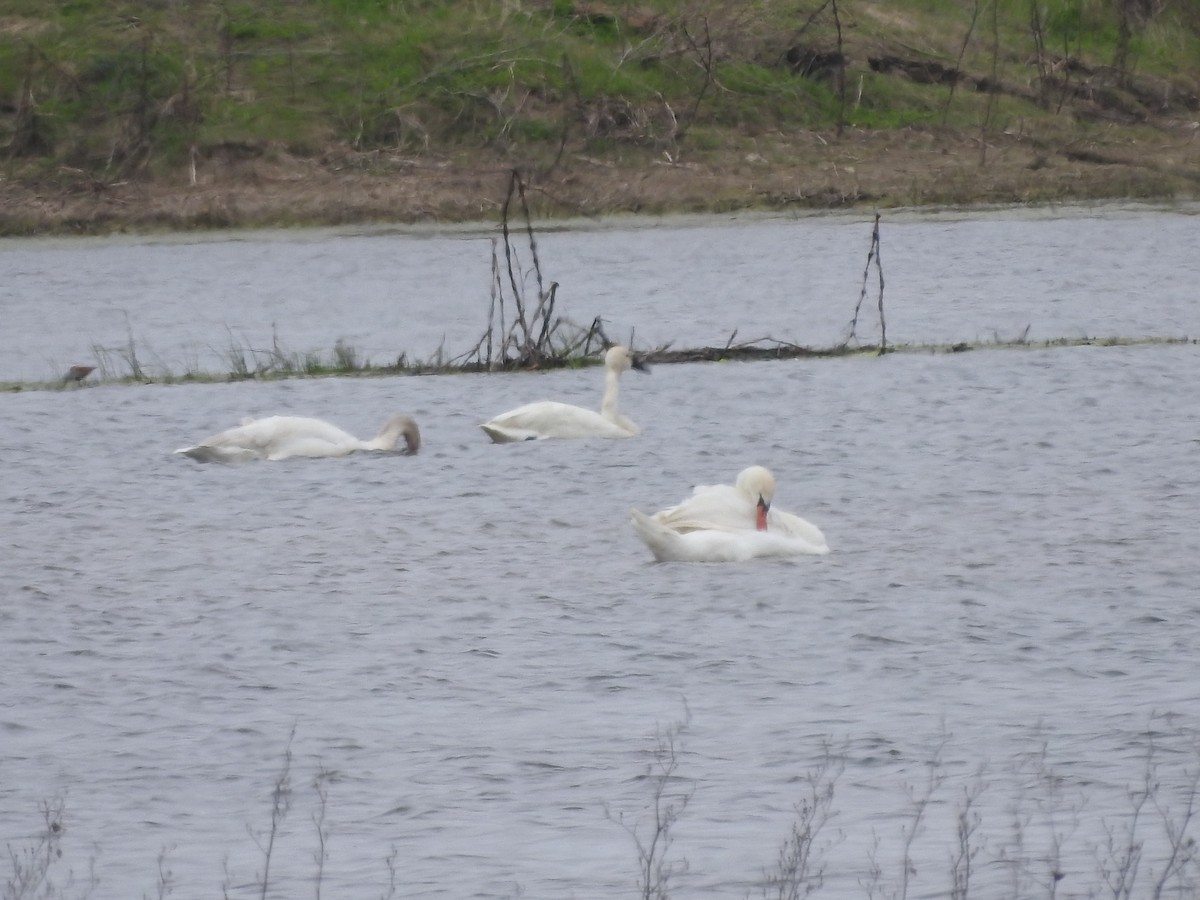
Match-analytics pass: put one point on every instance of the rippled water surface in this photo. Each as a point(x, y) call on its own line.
point(190, 305)
point(474, 658)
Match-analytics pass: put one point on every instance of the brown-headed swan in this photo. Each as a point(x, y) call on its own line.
point(728, 523)
point(284, 437)
point(551, 419)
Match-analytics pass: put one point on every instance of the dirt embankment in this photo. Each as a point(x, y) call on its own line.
point(251, 187)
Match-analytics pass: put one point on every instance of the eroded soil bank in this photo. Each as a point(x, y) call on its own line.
point(237, 187)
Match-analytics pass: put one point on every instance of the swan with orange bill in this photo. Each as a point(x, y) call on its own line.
point(729, 523)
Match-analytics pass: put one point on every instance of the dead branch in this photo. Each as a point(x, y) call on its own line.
point(872, 256)
point(535, 337)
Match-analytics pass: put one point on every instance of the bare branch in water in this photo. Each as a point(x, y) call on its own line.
point(536, 337)
point(872, 256)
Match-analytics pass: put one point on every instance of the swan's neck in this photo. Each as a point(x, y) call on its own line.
point(389, 438)
point(608, 408)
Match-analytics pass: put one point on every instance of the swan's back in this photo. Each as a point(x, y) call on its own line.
point(711, 506)
point(552, 419)
point(281, 437)
point(284, 437)
point(713, 545)
point(249, 441)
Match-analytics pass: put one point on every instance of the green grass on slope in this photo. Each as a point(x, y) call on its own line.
point(125, 88)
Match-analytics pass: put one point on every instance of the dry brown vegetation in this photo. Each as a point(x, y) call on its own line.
point(905, 167)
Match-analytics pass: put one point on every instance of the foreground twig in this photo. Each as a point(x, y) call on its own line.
point(920, 805)
point(800, 870)
point(281, 802)
point(967, 822)
point(321, 786)
point(31, 867)
point(655, 869)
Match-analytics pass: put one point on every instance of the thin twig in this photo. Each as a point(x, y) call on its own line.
point(872, 256)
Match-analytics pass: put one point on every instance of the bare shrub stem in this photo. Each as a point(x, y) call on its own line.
point(281, 801)
point(800, 870)
point(920, 805)
point(32, 865)
point(655, 868)
point(967, 822)
point(321, 786)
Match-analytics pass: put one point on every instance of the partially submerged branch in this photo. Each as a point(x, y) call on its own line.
point(872, 256)
point(531, 336)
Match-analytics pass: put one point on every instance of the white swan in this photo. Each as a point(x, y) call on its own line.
point(282, 437)
point(723, 523)
point(551, 419)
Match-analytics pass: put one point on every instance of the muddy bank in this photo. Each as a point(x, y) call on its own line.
point(263, 186)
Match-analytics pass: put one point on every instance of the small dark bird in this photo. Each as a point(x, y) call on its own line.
point(78, 373)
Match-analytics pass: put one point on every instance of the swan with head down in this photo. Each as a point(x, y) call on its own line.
point(284, 437)
point(552, 419)
point(728, 523)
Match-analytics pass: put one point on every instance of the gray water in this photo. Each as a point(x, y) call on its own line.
point(187, 304)
point(472, 653)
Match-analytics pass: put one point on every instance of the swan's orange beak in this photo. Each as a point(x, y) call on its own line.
point(761, 518)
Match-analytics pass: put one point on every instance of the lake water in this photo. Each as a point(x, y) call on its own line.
point(475, 660)
point(188, 304)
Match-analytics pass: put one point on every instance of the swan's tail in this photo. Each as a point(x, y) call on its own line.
point(206, 454)
point(662, 541)
point(504, 435)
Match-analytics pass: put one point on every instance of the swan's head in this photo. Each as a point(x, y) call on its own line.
point(619, 358)
point(757, 484)
point(404, 427)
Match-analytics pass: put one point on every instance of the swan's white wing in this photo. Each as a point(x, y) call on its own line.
point(275, 437)
point(308, 446)
point(285, 437)
point(798, 528)
point(550, 419)
point(247, 441)
point(714, 506)
point(721, 507)
point(718, 546)
point(695, 546)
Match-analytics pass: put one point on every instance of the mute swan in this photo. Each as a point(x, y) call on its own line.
point(282, 437)
point(551, 419)
point(723, 523)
